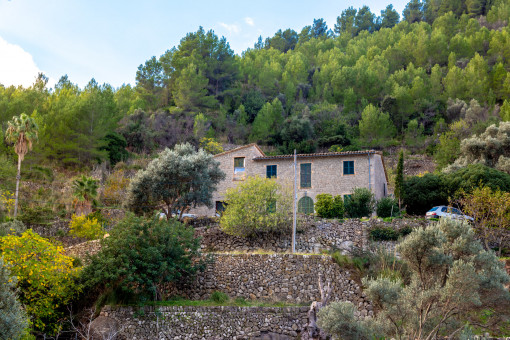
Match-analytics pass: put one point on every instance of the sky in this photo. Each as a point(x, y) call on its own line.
point(108, 39)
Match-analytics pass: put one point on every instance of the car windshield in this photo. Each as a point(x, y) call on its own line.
point(433, 209)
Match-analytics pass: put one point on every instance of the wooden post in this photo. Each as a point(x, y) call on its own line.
point(295, 205)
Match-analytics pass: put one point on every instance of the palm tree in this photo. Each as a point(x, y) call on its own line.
point(85, 191)
point(22, 131)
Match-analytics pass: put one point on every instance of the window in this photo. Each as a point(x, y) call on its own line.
point(348, 167)
point(305, 205)
point(239, 170)
point(271, 171)
point(306, 175)
point(347, 198)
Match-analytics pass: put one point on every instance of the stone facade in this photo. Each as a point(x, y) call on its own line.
point(211, 323)
point(272, 277)
point(327, 174)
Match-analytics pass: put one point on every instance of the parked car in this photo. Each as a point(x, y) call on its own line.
point(450, 212)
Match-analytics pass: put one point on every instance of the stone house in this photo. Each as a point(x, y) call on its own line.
point(335, 173)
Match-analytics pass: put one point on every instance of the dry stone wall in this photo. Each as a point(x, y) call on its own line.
point(312, 237)
point(209, 323)
point(273, 277)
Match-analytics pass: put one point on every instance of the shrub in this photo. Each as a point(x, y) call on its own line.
point(115, 189)
point(360, 204)
point(324, 205)
point(257, 205)
point(338, 207)
point(422, 193)
point(15, 227)
point(141, 255)
point(219, 297)
point(382, 233)
point(36, 216)
point(328, 206)
point(83, 226)
point(13, 319)
point(451, 276)
point(387, 207)
point(45, 277)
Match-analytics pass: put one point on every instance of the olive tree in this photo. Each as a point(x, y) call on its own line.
point(176, 181)
point(491, 148)
point(451, 276)
point(13, 319)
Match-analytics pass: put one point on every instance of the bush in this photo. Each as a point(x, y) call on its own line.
point(15, 227)
point(141, 255)
point(257, 205)
point(382, 233)
point(422, 193)
point(45, 277)
point(37, 216)
point(86, 227)
point(219, 297)
point(13, 320)
point(360, 204)
point(328, 207)
point(115, 189)
point(387, 207)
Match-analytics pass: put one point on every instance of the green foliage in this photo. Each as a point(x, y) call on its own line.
point(387, 207)
point(386, 233)
point(490, 148)
point(338, 318)
point(210, 145)
point(13, 319)
point(399, 178)
point(451, 276)
point(46, 277)
point(473, 175)
point(36, 216)
point(247, 212)
point(328, 207)
point(375, 126)
point(175, 181)
point(116, 147)
point(14, 227)
point(219, 297)
point(141, 255)
point(360, 204)
point(422, 193)
point(83, 226)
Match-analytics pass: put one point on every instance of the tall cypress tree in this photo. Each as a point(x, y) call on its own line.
point(399, 180)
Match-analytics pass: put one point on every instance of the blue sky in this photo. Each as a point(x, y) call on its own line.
point(107, 39)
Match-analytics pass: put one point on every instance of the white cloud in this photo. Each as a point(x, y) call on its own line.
point(17, 67)
point(233, 28)
point(249, 21)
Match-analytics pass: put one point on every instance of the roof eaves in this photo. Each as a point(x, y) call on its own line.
point(240, 148)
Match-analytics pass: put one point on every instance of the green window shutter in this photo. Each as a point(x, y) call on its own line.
point(306, 175)
point(348, 167)
point(271, 171)
point(305, 205)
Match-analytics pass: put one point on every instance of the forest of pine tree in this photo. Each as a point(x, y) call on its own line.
point(425, 80)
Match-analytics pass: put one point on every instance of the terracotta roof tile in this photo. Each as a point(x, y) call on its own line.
point(320, 154)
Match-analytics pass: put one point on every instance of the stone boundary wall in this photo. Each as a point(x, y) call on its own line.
point(211, 323)
point(273, 277)
point(311, 237)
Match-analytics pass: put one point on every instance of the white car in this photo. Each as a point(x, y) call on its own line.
point(450, 212)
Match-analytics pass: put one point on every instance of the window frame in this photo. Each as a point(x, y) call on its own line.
point(302, 175)
point(239, 172)
point(344, 163)
point(272, 174)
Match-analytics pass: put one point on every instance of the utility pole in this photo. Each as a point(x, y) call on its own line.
point(295, 205)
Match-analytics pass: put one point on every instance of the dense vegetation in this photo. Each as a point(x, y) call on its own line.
point(372, 82)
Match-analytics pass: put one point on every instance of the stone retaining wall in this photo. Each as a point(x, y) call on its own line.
point(312, 237)
point(83, 250)
point(274, 277)
point(209, 323)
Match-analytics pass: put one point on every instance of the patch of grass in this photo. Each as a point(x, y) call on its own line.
point(219, 297)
